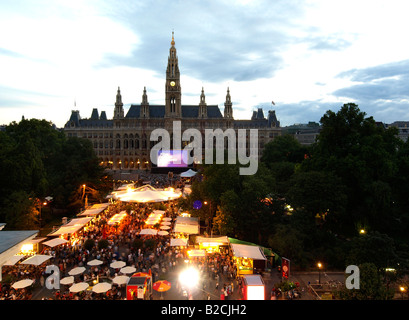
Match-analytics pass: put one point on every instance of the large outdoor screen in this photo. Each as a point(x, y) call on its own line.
point(172, 158)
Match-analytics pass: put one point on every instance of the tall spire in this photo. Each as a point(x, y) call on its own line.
point(202, 105)
point(228, 110)
point(119, 110)
point(173, 39)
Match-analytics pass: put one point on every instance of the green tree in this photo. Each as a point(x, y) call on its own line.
point(362, 154)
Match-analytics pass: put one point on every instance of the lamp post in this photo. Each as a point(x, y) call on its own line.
point(319, 264)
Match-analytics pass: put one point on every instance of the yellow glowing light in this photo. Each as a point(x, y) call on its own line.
point(189, 277)
point(27, 247)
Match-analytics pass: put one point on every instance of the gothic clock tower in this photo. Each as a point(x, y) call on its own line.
point(172, 88)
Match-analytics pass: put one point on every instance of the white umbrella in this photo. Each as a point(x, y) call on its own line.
point(167, 219)
point(37, 259)
point(117, 264)
point(95, 262)
point(77, 287)
point(101, 287)
point(163, 233)
point(165, 223)
point(120, 279)
point(127, 270)
point(165, 227)
point(22, 283)
point(67, 280)
point(76, 271)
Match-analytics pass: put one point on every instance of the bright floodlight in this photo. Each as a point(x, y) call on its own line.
point(189, 277)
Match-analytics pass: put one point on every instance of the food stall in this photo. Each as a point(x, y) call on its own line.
point(247, 258)
point(253, 287)
point(212, 244)
point(139, 286)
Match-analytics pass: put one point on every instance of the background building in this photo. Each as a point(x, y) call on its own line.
point(123, 142)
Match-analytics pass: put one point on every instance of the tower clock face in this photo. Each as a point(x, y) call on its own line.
point(172, 83)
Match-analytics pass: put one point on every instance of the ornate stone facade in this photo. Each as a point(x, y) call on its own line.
point(123, 142)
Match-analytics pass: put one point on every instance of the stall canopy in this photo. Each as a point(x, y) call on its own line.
point(13, 260)
point(218, 240)
point(147, 193)
point(267, 251)
point(245, 251)
point(178, 242)
point(73, 226)
point(189, 225)
point(117, 218)
point(37, 259)
point(94, 210)
point(55, 242)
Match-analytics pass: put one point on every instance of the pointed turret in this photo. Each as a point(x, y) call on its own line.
point(119, 110)
point(144, 105)
point(202, 105)
point(228, 106)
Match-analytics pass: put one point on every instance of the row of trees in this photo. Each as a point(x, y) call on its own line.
point(341, 201)
point(37, 161)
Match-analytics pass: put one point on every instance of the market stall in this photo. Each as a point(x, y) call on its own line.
point(248, 258)
point(253, 287)
point(187, 225)
point(212, 244)
point(139, 286)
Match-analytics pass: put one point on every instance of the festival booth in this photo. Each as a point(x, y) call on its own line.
point(195, 253)
point(94, 210)
point(139, 286)
point(145, 194)
point(248, 258)
point(253, 287)
point(187, 225)
point(212, 244)
point(178, 242)
point(188, 174)
point(117, 218)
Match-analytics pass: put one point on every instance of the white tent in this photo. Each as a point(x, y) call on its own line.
point(149, 231)
point(116, 218)
point(79, 221)
point(178, 242)
point(217, 240)
point(67, 230)
point(55, 242)
point(147, 194)
point(37, 259)
point(13, 260)
point(246, 251)
point(189, 225)
point(188, 174)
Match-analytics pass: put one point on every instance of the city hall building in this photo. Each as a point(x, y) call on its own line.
point(123, 142)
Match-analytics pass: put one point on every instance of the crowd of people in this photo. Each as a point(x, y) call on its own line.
point(122, 242)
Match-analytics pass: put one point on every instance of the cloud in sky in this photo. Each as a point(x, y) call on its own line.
point(306, 56)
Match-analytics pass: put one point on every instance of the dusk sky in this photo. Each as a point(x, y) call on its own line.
point(306, 56)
